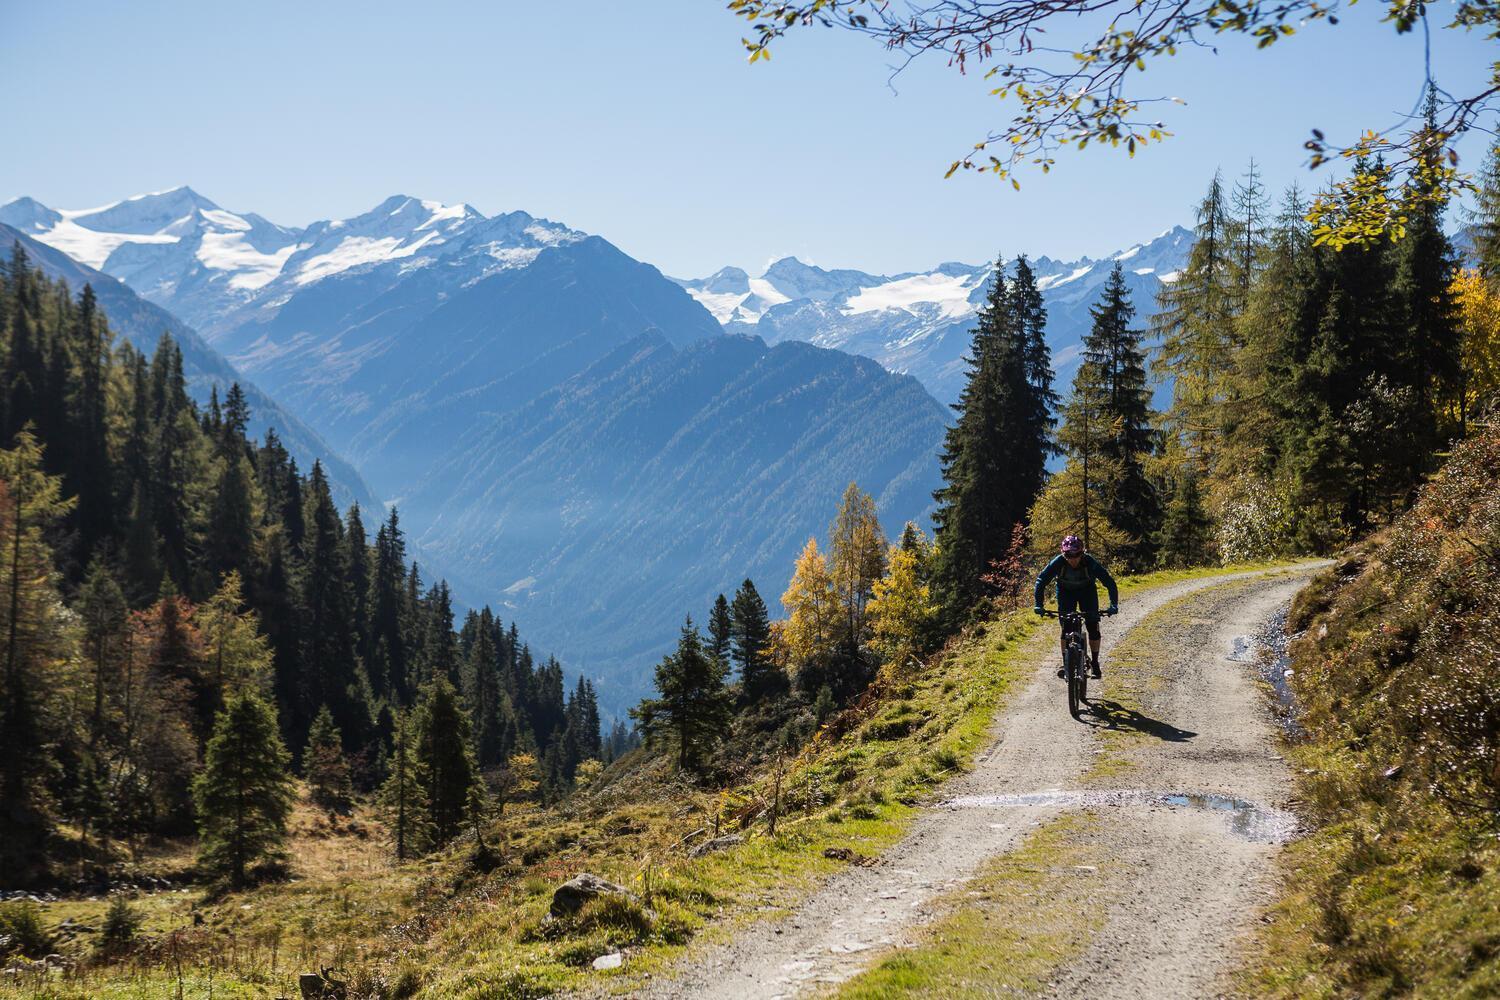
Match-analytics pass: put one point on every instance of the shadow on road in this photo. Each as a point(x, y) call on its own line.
point(1106, 714)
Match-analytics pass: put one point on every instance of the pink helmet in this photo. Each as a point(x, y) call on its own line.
point(1071, 544)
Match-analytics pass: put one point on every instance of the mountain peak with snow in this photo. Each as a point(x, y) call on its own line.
point(918, 322)
point(179, 247)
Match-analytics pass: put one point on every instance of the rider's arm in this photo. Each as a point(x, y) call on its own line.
point(1045, 577)
point(1109, 582)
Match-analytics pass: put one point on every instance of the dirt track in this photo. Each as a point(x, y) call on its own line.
point(1197, 866)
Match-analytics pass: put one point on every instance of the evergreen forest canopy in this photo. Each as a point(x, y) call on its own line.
point(187, 616)
point(1314, 389)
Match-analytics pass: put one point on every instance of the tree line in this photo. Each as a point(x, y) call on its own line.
point(175, 597)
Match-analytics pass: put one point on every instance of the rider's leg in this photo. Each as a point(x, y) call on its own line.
point(1092, 620)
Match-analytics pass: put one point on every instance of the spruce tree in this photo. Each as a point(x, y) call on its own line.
point(244, 794)
point(1195, 327)
point(1113, 379)
point(445, 749)
point(403, 797)
point(994, 455)
point(750, 645)
point(691, 706)
point(1185, 531)
point(325, 767)
point(720, 627)
point(334, 674)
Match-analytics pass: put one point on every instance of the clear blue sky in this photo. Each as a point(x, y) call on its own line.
point(640, 121)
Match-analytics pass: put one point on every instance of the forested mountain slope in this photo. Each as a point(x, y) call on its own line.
point(143, 323)
point(663, 475)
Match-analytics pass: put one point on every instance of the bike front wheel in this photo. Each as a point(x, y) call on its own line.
point(1076, 682)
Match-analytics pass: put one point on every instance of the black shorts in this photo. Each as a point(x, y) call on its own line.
point(1088, 604)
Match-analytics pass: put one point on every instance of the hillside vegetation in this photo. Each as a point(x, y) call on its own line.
point(1397, 890)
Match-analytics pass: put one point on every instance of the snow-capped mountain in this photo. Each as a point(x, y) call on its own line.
point(205, 263)
point(918, 322)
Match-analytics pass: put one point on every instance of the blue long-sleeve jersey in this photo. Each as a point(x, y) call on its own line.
point(1076, 583)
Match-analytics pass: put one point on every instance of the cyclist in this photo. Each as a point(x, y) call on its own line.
point(1075, 571)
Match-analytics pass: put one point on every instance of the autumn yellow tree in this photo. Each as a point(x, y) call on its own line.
point(236, 655)
point(902, 611)
point(1479, 376)
point(812, 627)
point(857, 551)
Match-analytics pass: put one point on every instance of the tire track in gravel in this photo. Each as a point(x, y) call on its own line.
point(1198, 878)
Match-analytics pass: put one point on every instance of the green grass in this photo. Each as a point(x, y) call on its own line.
point(1027, 913)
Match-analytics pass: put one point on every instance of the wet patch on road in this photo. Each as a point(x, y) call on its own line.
point(1246, 820)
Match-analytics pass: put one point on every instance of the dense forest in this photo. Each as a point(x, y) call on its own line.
point(179, 601)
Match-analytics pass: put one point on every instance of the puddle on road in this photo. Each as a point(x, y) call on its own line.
point(1266, 650)
point(1244, 819)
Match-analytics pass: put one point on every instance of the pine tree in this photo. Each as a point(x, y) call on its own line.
point(692, 704)
point(388, 611)
point(324, 765)
point(750, 645)
point(244, 794)
point(403, 798)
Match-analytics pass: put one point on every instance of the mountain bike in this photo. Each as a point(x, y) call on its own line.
point(1075, 660)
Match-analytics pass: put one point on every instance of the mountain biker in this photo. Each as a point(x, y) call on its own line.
point(1075, 571)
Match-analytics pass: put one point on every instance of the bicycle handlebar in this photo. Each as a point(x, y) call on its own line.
point(1047, 613)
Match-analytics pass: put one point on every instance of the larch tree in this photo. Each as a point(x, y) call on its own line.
point(236, 655)
point(31, 502)
point(902, 611)
point(856, 560)
point(814, 621)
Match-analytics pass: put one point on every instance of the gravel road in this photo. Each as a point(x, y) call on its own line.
point(1197, 811)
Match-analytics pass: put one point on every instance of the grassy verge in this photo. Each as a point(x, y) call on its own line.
point(444, 927)
point(1392, 893)
point(1024, 915)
